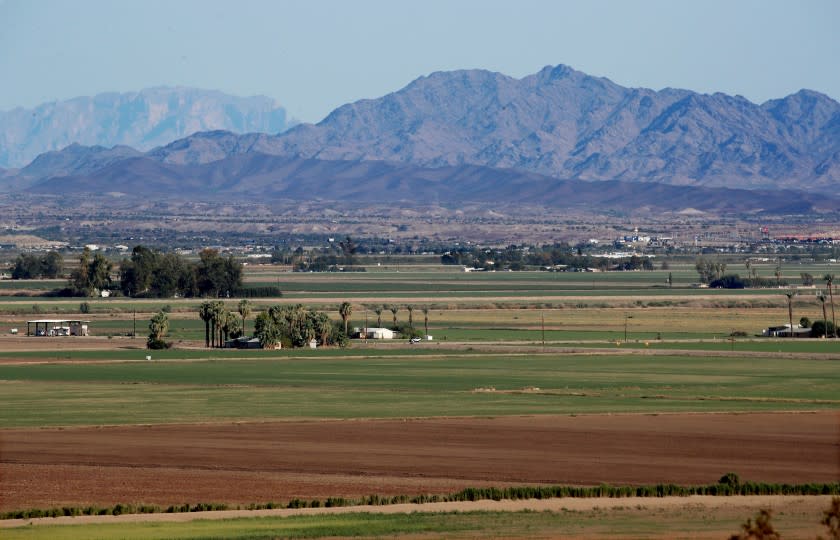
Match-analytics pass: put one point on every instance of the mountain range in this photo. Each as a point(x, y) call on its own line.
point(558, 137)
point(142, 120)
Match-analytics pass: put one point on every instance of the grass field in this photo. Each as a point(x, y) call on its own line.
point(384, 385)
point(653, 350)
point(613, 521)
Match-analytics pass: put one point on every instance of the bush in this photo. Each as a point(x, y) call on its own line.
point(84, 307)
point(730, 281)
point(818, 328)
point(407, 332)
point(158, 344)
point(257, 292)
point(730, 479)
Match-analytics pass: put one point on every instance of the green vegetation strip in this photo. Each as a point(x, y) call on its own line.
point(408, 384)
point(723, 488)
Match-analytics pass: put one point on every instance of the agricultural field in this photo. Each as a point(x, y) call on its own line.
point(530, 379)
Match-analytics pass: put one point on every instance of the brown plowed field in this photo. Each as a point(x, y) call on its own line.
point(260, 462)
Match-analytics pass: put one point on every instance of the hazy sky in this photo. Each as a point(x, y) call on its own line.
point(315, 55)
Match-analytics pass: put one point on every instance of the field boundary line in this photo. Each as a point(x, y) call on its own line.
point(710, 502)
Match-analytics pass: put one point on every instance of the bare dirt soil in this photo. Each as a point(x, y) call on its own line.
point(261, 462)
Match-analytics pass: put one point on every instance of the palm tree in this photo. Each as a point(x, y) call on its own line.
point(266, 330)
point(244, 309)
point(829, 280)
point(426, 319)
point(378, 311)
point(230, 325)
point(218, 310)
point(205, 312)
point(158, 326)
point(323, 326)
point(821, 299)
point(790, 295)
point(410, 309)
point(345, 309)
point(394, 309)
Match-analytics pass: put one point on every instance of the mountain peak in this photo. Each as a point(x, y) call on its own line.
point(560, 71)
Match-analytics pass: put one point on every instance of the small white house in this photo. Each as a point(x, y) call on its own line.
point(377, 333)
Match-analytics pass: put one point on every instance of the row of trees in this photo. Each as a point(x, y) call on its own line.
point(517, 258)
point(220, 324)
point(292, 325)
point(150, 273)
point(394, 309)
point(31, 266)
point(92, 275)
point(823, 328)
point(296, 326)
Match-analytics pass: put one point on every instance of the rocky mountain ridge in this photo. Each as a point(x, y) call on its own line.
point(475, 135)
point(566, 124)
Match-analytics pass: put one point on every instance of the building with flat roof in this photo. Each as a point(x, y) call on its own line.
point(57, 327)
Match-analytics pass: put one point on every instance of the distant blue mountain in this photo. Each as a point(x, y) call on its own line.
point(142, 120)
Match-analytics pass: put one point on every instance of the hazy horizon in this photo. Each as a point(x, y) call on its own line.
point(313, 57)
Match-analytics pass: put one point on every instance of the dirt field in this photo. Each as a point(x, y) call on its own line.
point(260, 462)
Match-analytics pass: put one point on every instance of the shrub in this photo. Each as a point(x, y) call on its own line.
point(157, 344)
point(730, 281)
point(257, 292)
point(730, 479)
point(84, 307)
point(818, 328)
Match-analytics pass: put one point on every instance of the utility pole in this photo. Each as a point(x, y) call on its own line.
point(626, 317)
point(542, 319)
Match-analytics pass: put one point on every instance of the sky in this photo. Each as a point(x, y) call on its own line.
point(315, 55)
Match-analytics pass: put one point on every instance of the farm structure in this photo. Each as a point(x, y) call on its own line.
point(57, 327)
point(785, 331)
point(376, 333)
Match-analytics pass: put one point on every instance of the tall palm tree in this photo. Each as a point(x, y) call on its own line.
point(426, 319)
point(790, 295)
point(244, 309)
point(410, 309)
point(218, 309)
point(345, 310)
point(158, 326)
point(378, 311)
point(821, 300)
point(394, 309)
point(230, 326)
point(205, 312)
point(323, 326)
point(829, 280)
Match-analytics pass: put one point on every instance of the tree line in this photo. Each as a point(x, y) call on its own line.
point(518, 258)
point(296, 326)
point(152, 274)
point(31, 266)
point(221, 324)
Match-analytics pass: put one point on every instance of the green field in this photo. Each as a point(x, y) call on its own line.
point(505, 343)
point(619, 522)
point(421, 384)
